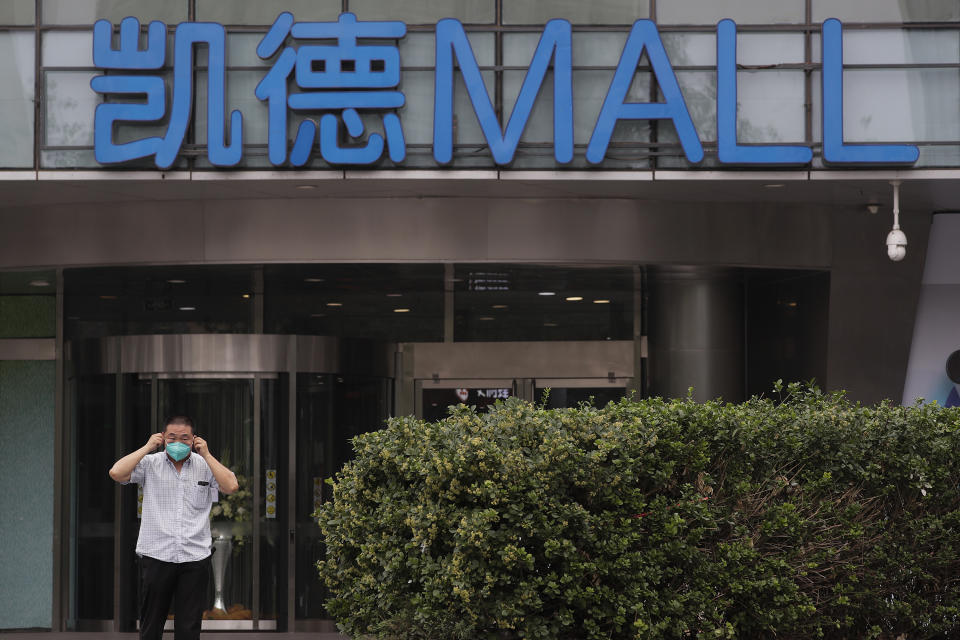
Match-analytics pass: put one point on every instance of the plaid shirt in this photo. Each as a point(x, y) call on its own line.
point(175, 526)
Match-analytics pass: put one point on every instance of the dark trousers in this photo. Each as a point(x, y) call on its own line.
point(183, 582)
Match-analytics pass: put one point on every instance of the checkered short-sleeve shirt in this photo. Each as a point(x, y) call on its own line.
point(175, 525)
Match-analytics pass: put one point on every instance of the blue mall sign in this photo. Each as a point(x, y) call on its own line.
point(339, 78)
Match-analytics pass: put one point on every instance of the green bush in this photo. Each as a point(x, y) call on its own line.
point(801, 516)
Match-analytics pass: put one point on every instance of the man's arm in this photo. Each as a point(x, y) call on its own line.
point(123, 468)
point(224, 477)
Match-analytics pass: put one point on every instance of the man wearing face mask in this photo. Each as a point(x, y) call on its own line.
point(179, 485)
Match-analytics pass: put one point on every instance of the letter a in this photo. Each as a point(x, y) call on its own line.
point(644, 36)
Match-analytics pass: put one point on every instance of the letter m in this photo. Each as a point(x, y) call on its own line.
point(554, 43)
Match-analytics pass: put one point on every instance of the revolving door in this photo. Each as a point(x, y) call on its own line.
point(278, 410)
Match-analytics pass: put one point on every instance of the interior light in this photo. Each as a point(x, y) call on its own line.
point(401, 310)
point(574, 298)
point(394, 295)
point(39, 283)
point(246, 296)
point(499, 306)
point(306, 187)
point(188, 308)
point(774, 186)
point(486, 318)
point(601, 302)
point(547, 293)
point(313, 279)
point(177, 281)
point(108, 297)
point(334, 304)
point(549, 324)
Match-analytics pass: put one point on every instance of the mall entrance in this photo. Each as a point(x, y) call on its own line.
point(278, 410)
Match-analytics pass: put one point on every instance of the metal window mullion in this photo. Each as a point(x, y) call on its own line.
point(57, 617)
point(257, 497)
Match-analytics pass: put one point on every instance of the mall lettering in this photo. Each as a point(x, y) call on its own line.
point(339, 82)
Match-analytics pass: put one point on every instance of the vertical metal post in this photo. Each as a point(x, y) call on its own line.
point(257, 499)
point(117, 495)
point(59, 465)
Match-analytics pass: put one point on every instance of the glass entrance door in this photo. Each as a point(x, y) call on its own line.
point(241, 418)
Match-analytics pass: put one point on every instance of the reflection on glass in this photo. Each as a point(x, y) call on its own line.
point(94, 427)
point(436, 402)
point(16, 106)
point(608, 12)
point(425, 11)
point(69, 107)
point(330, 411)
point(568, 397)
point(495, 302)
point(17, 12)
point(264, 12)
point(742, 11)
point(895, 46)
point(893, 105)
point(887, 10)
point(89, 11)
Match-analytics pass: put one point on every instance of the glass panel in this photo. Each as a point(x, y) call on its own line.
point(590, 90)
point(117, 301)
point(884, 105)
point(887, 10)
point(356, 301)
point(519, 302)
point(417, 114)
point(607, 12)
point(67, 49)
point(769, 48)
point(136, 428)
point(89, 11)
point(94, 435)
point(273, 516)
point(437, 401)
point(69, 108)
point(770, 106)
point(240, 95)
point(222, 411)
point(700, 93)
point(690, 48)
point(17, 12)
point(589, 49)
point(744, 11)
point(564, 397)
point(16, 106)
point(425, 11)
point(895, 46)
point(264, 12)
point(330, 411)
point(419, 50)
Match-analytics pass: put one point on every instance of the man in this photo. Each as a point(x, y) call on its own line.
point(179, 485)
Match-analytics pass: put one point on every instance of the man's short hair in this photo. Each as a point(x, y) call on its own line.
point(181, 421)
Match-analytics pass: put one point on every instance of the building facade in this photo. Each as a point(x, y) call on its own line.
point(292, 219)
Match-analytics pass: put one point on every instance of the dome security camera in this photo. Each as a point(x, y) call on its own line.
point(896, 245)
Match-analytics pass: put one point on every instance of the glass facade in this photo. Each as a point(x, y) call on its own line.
point(901, 80)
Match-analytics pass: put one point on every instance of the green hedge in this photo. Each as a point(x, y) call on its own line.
point(798, 516)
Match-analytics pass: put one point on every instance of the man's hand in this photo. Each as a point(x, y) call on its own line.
point(225, 478)
point(156, 440)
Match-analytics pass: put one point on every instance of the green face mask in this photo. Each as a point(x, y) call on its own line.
point(178, 451)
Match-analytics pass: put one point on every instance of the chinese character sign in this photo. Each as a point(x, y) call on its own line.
point(338, 79)
point(129, 58)
point(342, 82)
